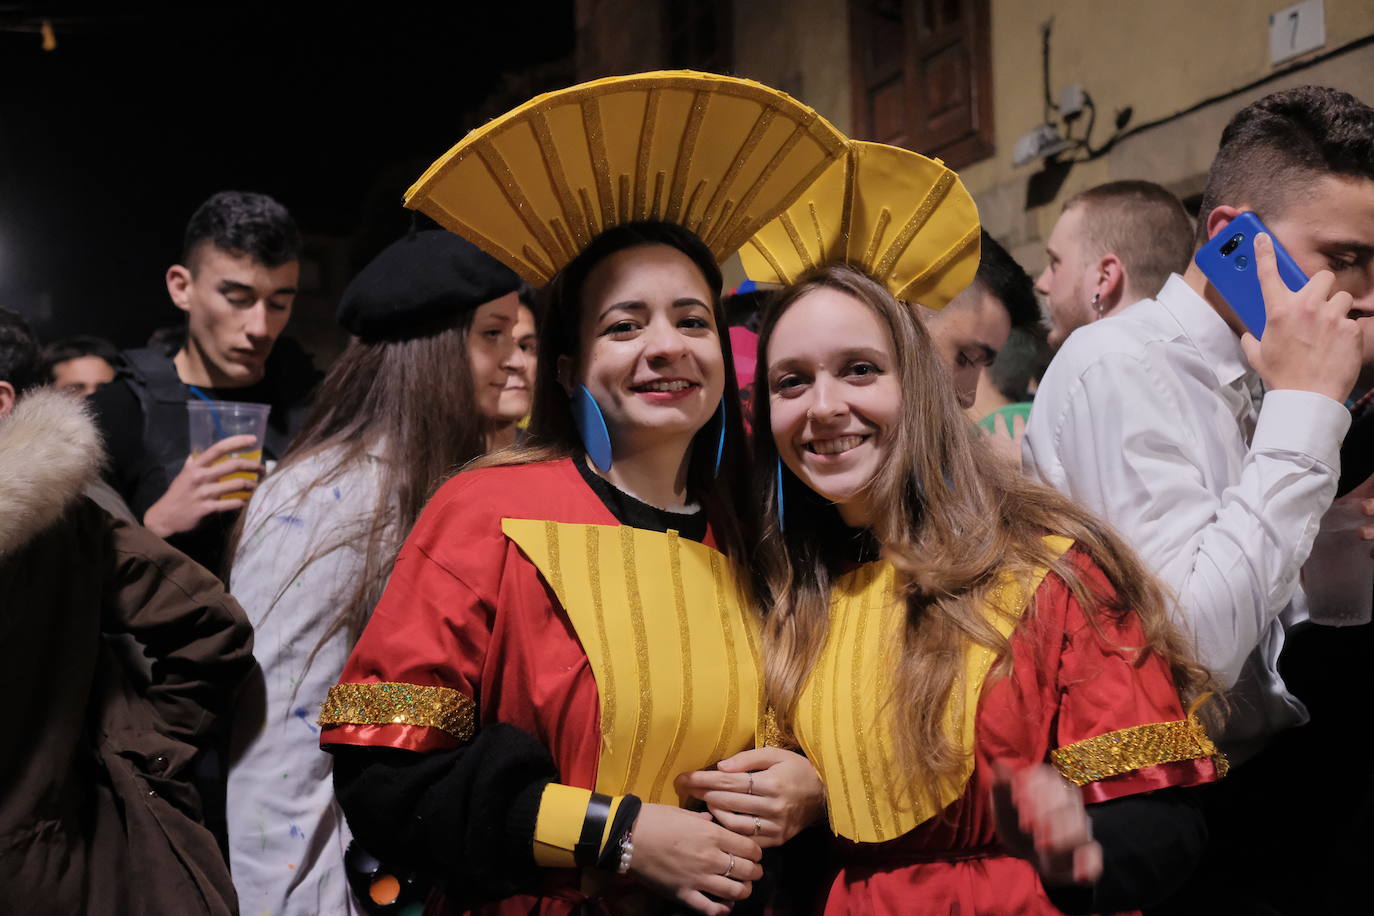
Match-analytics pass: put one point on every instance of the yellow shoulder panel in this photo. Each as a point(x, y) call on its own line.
point(844, 715)
point(672, 642)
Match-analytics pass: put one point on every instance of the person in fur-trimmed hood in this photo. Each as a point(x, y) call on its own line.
point(97, 813)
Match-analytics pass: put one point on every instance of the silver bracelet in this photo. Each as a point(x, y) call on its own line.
point(627, 851)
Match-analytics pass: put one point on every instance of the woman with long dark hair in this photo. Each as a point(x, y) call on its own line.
point(985, 676)
point(565, 631)
point(418, 392)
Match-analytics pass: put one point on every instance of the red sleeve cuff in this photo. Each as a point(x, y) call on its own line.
point(1149, 779)
point(404, 737)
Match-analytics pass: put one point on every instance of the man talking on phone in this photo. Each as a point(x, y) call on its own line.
point(1216, 456)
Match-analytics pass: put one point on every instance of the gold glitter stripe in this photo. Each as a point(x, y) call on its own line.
point(646, 143)
point(726, 212)
point(532, 257)
point(933, 197)
point(576, 220)
point(847, 209)
point(713, 218)
point(555, 567)
point(731, 660)
point(687, 148)
point(500, 171)
point(785, 220)
point(692, 202)
point(587, 210)
point(834, 676)
point(739, 223)
point(1132, 748)
point(737, 241)
point(446, 218)
point(560, 232)
point(684, 638)
point(655, 209)
point(884, 217)
point(855, 667)
point(767, 255)
point(390, 703)
point(822, 254)
point(886, 759)
point(623, 203)
point(646, 709)
point(605, 691)
point(601, 167)
point(938, 265)
point(816, 682)
point(755, 655)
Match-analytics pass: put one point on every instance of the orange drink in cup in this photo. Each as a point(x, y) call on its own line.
point(211, 421)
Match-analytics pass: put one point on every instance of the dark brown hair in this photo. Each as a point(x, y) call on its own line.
point(410, 404)
point(552, 433)
point(1273, 148)
point(1141, 223)
point(954, 517)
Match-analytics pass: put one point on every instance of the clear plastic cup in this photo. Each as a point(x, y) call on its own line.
point(211, 421)
point(1338, 576)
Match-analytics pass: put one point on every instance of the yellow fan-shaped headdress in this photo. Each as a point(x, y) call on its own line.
point(719, 155)
point(905, 220)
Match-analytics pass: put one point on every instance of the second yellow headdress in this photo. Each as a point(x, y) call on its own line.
point(905, 220)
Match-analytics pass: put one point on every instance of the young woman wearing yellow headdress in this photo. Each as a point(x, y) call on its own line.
point(983, 674)
point(564, 632)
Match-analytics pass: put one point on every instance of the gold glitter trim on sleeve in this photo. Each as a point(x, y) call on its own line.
point(1114, 753)
point(400, 704)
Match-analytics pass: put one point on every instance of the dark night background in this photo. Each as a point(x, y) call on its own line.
point(110, 141)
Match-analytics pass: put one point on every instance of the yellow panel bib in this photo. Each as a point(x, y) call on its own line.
point(844, 714)
point(673, 644)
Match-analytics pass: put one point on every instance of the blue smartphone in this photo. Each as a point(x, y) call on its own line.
point(1228, 260)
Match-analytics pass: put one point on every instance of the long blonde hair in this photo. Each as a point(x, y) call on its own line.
point(955, 516)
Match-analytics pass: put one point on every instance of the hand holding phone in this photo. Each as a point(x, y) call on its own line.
point(1310, 342)
point(1228, 259)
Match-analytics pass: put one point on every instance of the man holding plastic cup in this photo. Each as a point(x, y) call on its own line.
point(236, 282)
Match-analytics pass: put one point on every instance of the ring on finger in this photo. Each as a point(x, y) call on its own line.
point(757, 822)
point(729, 868)
point(751, 783)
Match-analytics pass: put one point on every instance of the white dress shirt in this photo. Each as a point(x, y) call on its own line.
point(1151, 420)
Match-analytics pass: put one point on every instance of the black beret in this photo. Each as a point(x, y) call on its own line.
point(421, 282)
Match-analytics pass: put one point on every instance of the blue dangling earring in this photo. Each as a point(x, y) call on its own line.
point(781, 525)
point(720, 440)
point(591, 426)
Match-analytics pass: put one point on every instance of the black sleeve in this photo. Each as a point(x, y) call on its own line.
point(120, 419)
point(1150, 845)
point(465, 816)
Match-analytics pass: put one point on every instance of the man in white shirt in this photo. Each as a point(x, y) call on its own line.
point(1154, 419)
point(1113, 245)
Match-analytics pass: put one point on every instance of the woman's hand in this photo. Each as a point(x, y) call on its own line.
point(769, 795)
point(684, 856)
point(1041, 818)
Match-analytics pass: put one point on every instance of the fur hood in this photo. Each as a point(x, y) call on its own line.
point(49, 450)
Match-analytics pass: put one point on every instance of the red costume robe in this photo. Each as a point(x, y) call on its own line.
point(1075, 695)
point(519, 598)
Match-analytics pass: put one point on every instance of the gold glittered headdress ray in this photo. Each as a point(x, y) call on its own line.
point(905, 220)
point(718, 155)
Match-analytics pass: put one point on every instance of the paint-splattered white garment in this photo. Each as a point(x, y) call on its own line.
point(287, 835)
